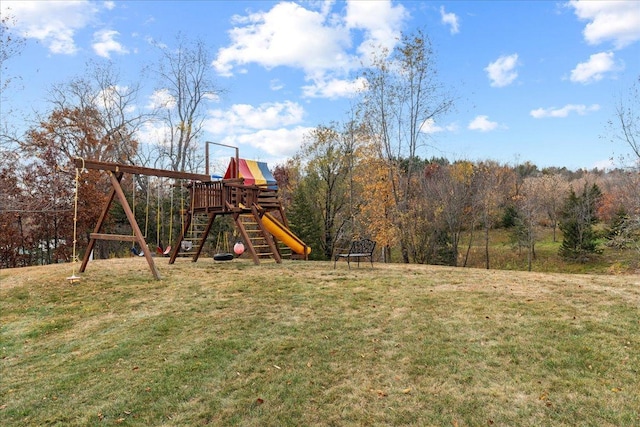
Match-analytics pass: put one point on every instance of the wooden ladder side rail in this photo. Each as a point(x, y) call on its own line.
point(178, 242)
point(267, 236)
point(205, 234)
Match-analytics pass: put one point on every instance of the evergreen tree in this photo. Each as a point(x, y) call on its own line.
point(576, 223)
point(620, 234)
point(305, 219)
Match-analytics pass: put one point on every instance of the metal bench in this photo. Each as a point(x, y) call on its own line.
point(359, 249)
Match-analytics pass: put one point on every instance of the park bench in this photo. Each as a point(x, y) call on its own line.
point(358, 249)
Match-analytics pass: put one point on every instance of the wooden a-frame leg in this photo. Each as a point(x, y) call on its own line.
point(98, 227)
point(134, 224)
point(267, 236)
point(245, 236)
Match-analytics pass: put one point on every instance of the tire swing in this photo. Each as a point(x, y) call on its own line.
point(222, 256)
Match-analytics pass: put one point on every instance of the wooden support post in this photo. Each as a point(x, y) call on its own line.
point(134, 224)
point(101, 218)
point(247, 240)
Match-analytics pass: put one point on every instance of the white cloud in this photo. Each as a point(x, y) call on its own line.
point(482, 124)
point(334, 88)
point(272, 127)
point(54, 23)
point(502, 72)
point(154, 133)
point(430, 127)
point(105, 43)
point(450, 19)
point(381, 21)
point(281, 142)
point(579, 109)
point(109, 97)
point(606, 164)
point(243, 117)
point(617, 21)
point(286, 35)
point(276, 85)
point(317, 41)
point(161, 99)
point(594, 69)
point(211, 97)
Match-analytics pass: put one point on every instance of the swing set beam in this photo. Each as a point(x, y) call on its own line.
point(139, 170)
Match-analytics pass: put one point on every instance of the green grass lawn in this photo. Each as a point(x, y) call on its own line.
point(301, 344)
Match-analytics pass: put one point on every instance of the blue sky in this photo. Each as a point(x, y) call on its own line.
point(535, 81)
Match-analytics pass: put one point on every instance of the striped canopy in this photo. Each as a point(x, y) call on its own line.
point(253, 172)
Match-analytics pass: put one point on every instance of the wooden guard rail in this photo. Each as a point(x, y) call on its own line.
point(220, 195)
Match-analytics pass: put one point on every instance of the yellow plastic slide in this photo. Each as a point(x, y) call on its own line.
point(285, 235)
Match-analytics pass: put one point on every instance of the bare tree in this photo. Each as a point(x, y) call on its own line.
point(403, 95)
point(493, 184)
point(186, 84)
point(448, 190)
point(11, 46)
point(99, 101)
point(626, 125)
point(550, 192)
point(532, 204)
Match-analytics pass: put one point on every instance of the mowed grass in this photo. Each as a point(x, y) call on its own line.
point(301, 344)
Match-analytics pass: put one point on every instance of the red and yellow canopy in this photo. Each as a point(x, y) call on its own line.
point(253, 172)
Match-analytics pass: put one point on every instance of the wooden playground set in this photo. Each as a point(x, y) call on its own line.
point(247, 192)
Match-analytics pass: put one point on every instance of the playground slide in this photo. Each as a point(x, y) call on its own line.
point(285, 235)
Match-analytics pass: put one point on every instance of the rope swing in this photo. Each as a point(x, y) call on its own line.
point(167, 250)
point(74, 257)
point(135, 251)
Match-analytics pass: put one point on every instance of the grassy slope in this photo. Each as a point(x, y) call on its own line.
point(304, 344)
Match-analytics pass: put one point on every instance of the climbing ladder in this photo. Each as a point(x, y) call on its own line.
point(194, 235)
point(257, 239)
point(260, 243)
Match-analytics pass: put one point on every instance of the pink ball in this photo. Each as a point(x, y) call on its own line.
point(238, 248)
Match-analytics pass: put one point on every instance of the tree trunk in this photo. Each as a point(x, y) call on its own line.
point(486, 245)
point(466, 255)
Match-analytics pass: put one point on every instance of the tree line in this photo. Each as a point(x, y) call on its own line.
point(365, 177)
point(336, 193)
